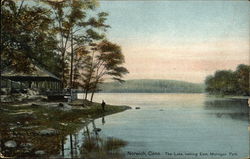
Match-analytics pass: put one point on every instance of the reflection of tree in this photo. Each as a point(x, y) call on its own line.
point(234, 108)
point(62, 147)
point(92, 145)
point(75, 144)
point(96, 147)
point(71, 146)
point(232, 104)
point(102, 148)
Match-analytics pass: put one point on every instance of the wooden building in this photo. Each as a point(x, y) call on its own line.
point(39, 79)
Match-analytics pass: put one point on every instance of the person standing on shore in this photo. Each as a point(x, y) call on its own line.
point(103, 105)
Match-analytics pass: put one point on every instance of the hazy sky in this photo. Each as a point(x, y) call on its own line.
point(179, 40)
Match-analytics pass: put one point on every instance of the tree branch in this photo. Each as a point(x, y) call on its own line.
point(20, 7)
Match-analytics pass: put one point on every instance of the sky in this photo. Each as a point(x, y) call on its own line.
point(179, 40)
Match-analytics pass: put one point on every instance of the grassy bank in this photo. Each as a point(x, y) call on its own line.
point(43, 126)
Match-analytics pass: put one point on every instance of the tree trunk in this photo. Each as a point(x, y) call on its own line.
point(94, 89)
point(71, 61)
point(71, 65)
point(63, 70)
point(10, 87)
point(1, 49)
point(92, 95)
point(71, 145)
point(86, 95)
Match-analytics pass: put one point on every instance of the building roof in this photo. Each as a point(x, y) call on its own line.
point(38, 74)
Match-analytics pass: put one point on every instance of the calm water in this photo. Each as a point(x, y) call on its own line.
point(176, 126)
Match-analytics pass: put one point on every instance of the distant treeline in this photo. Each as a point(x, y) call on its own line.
point(152, 86)
point(228, 82)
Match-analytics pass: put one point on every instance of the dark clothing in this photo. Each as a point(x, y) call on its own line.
point(103, 105)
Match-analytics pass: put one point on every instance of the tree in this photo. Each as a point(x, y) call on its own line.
point(106, 62)
point(242, 75)
point(26, 35)
point(209, 81)
point(74, 27)
point(82, 60)
point(62, 37)
point(226, 82)
point(229, 82)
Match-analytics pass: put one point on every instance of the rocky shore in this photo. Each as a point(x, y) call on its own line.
point(35, 127)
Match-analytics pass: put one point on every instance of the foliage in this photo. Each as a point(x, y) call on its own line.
point(66, 37)
point(227, 82)
point(26, 36)
point(73, 27)
point(242, 75)
point(106, 62)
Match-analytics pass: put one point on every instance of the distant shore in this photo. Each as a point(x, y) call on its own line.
point(230, 96)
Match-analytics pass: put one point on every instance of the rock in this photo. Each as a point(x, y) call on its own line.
point(137, 108)
point(64, 106)
point(83, 121)
point(14, 127)
point(4, 110)
point(48, 131)
point(34, 105)
point(25, 114)
point(2, 156)
point(5, 91)
point(161, 109)
point(32, 92)
point(27, 146)
point(63, 124)
point(97, 129)
point(60, 105)
point(30, 127)
point(9, 98)
point(45, 114)
point(40, 152)
point(10, 144)
point(23, 96)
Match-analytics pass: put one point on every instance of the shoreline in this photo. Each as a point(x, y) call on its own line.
point(229, 96)
point(44, 125)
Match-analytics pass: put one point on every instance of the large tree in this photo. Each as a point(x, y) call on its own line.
point(74, 26)
point(106, 63)
point(26, 36)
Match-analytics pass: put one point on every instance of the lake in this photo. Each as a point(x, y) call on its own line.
point(174, 126)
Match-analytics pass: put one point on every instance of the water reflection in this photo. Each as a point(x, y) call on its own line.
point(228, 108)
point(102, 148)
point(186, 122)
point(103, 120)
point(89, 144)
